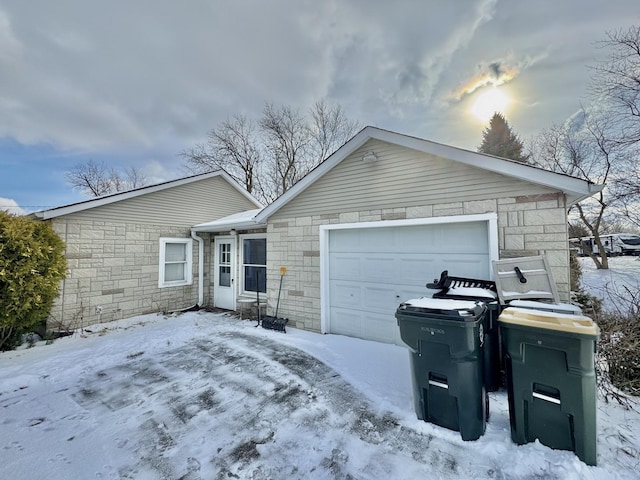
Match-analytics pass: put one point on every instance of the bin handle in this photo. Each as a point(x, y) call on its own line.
point(520, 275)
point(546, 393)
point(546, 398)
point(438, 380)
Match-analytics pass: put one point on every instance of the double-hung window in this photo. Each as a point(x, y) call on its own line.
point(176, 262)
point(254, 263)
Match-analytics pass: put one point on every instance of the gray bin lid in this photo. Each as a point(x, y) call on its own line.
point(524, 278)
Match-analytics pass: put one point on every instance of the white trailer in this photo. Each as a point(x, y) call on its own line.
point(614, 244)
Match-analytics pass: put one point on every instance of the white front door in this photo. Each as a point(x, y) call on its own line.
point(224, 273)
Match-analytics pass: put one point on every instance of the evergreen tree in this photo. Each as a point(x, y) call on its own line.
point(498, 139)
point(32, 264)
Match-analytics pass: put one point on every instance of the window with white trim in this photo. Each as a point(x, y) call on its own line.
point(254, 263)
point(176, 262)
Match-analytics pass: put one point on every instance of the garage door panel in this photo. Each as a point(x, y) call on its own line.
point(465, 238)
point(417, 240)
point(367, 325)
point(377, 327)
point(417, 270)
point(378, 297)
point(379, 268)
point(345, 322)
point(346, 294)
point(344, 266)
point(346, 241)
point(472, 266)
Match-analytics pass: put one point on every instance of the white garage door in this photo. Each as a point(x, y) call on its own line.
point(372, 270)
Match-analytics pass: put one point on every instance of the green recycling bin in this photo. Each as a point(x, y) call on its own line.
point(550, 377)
point(446, 339)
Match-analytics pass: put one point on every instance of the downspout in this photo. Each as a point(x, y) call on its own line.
point(200, 267)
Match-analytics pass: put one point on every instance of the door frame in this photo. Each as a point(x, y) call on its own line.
point(325, 230)
point(229, 304)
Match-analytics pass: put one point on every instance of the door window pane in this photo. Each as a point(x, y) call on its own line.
point(224, 275)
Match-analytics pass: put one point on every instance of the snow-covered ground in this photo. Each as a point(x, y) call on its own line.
point(618, 286)
point(205, 396)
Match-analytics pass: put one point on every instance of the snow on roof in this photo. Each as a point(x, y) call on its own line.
point(240, 220)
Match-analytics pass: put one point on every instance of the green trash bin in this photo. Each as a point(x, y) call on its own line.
point(551, 381)
point(446, 339)
point(492, 362)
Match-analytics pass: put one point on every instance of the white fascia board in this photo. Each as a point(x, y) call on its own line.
point(118, 197)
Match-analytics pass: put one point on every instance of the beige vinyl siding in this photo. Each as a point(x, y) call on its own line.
point(401, 177)
point(190, 204)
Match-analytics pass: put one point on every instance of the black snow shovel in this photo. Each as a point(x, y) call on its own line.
point(274, 322)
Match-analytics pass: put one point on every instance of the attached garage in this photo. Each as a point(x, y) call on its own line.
point(387, 213)
point(367, 269)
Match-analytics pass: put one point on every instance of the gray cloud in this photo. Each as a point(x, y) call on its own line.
point(495, 73)
point(136, 76)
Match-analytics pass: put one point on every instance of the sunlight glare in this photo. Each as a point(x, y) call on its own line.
point(488, 102)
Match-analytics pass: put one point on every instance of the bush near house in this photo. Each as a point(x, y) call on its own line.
point(620, 347)
point(32, 264)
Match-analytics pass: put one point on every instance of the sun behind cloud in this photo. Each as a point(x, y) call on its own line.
point(488, 101)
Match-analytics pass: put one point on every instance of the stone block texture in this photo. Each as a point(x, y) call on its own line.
point(113, 273)
point(530, 225)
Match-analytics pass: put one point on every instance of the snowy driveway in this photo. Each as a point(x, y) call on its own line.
point(205, 396)
point(270, 412)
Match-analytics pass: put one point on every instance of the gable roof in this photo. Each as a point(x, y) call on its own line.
point(574, 188)
point(120, 196)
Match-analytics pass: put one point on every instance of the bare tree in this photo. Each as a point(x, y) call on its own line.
point(95, 179)
point(330, 129)
point(617, 81)
point(232, 147)
point(287, 140)
point(269, 156)
point(616, 85)
point(585, 150)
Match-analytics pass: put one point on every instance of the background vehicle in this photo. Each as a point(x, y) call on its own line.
point(614, 244)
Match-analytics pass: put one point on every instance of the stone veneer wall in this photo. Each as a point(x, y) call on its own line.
point(527, 225)
point(115, 266)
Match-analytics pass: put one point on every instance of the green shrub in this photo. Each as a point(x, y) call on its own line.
point(32, 264)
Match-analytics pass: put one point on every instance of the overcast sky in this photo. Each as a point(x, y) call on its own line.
point(137, 82)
